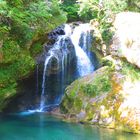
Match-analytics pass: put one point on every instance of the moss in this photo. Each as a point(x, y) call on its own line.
point(97, 51)
point(99, 96)
point(6, 93)
point(130, 71)
point(78, 94)
point(89, 112)
point(66, 104)
point(36, 49)
point(100, 85)
point(108, 61)
point(77, 105)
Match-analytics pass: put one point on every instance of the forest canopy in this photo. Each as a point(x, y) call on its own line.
point(88, 9)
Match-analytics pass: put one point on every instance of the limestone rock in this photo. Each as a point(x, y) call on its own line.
point(117, 108)
point(126, 41)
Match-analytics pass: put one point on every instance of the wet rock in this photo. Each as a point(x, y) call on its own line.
point(47, 47)
point(62, 52)
point(81, 115)
point(53, 36)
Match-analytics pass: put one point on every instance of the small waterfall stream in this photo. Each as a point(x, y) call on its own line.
point(42, 101)
point(84, 64)
point(60, 43)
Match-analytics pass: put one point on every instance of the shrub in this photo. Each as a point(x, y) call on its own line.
point(100, 85)
point(71, 8)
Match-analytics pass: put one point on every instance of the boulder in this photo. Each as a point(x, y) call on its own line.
point(106, 98)
point(126, 41)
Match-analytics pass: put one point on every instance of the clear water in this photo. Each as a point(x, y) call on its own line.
point(43, 127)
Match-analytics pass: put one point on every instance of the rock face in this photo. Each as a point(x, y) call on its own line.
point(53, 36)
point(104, 99)
point(126, 42)
point(60, 46)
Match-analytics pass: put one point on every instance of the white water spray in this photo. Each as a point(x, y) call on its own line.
point(42, 101)
point(84, 64)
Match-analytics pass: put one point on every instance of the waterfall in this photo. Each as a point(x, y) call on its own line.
point(74, 43)
point(56, 47)
point(84, 64)
point(42, 101)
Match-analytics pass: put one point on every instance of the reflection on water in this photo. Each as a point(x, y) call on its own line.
point(40, 126)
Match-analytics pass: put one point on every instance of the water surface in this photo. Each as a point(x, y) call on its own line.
point(40, 126)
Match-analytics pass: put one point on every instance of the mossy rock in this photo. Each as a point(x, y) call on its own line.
point(105, 99)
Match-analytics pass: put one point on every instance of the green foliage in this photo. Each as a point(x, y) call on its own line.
point(101, 84)
point(104, 10)
point(27, 21)
point(11, 51)
point(101, 9)
point(71, 8)
point(36, 49)
point(20, 68)
point(133, 5)
point(106, 32)
point(130, 71)
point(90, 89)
point(22, 24)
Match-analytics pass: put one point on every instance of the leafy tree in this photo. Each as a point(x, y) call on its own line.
point(71, 8)
point(103, 11)
point(133, 5)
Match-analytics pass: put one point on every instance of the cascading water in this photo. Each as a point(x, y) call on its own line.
point(61, 43)
point(84, 64)
point(42, 101)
